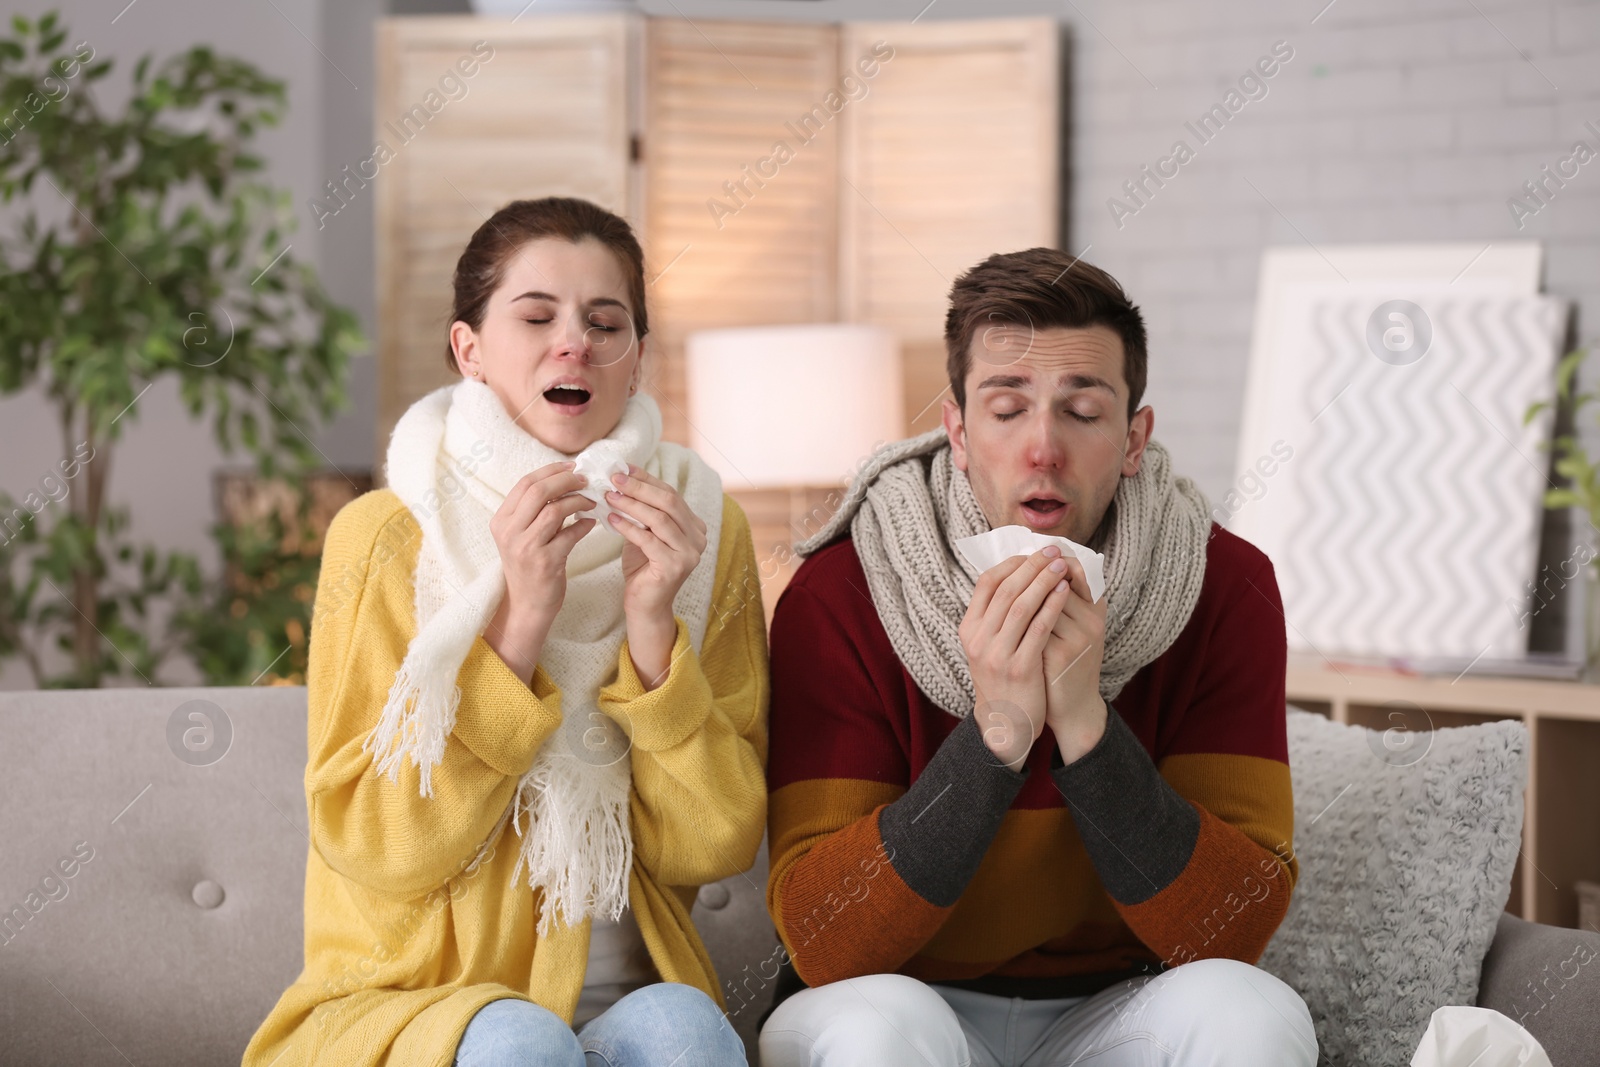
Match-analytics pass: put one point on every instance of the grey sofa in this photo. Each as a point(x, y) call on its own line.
point(179, 923)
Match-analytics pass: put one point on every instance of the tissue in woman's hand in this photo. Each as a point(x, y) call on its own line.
point(987, 549)
point(598, 463)
point(1462, 1036)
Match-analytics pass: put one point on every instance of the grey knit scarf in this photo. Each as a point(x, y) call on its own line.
point(909, 503)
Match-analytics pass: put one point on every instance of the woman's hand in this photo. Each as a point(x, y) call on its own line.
point(534, 545)
point(655, 562)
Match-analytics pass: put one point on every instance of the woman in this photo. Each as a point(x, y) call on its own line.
point(531, 739)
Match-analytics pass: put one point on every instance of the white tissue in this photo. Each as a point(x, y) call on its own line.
point(987, 549)
point(598, 463)
point(1460, 1036)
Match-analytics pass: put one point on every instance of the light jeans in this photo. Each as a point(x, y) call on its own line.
point(1207, 1013)
point(666, 1024)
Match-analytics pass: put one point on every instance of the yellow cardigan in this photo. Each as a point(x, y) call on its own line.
point(412, 922)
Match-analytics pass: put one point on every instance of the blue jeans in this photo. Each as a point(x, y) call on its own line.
point(666, 1024)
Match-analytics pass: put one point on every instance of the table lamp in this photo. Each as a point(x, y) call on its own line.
point(781, 406)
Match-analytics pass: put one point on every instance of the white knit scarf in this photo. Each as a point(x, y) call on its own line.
point(909, 503)
point(453, 457)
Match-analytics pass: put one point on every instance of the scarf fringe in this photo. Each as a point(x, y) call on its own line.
point(421, 707)
point(577, 847)
point(404, 731)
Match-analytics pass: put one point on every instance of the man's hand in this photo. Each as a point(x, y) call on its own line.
point(1014, 607)
point(1073, 652)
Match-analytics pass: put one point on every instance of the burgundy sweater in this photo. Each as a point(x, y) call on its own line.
point(900, 844)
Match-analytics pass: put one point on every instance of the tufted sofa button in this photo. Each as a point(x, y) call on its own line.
point(715, 896)
point(208, 894)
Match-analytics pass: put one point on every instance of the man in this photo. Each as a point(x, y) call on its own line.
point(1011, 824)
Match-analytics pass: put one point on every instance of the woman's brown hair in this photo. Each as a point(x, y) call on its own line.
point(482, 267)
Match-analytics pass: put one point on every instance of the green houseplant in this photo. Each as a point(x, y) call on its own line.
point(1582, 491)
point(136, 247)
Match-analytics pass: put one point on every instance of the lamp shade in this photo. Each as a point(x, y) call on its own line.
point(774, 406)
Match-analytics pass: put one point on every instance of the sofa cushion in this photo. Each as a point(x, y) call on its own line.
point(179, 925)
point(1406, 845)
point(731, 916)
point(1548, 979)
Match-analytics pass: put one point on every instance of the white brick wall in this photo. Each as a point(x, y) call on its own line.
point(1396, 120)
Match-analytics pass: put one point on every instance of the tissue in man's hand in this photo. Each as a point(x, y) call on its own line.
point(1462, 1036)
point(987, 549)
point(598, 463)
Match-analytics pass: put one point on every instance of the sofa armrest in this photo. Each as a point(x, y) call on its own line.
point(1548, 979)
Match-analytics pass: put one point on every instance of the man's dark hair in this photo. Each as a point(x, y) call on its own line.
point(1043, 288)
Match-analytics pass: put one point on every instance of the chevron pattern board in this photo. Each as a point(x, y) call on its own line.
point(1407, 522)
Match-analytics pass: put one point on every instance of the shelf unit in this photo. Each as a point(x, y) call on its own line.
point(1561, 826)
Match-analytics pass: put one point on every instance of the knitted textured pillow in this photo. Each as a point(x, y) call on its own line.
point(1406, 844)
